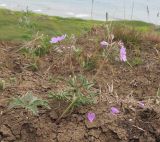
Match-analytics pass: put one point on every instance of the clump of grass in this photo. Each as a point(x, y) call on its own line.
point(25, 21)
point(2, 84)
point(29, 102)
point(35, 49)
point(89, 64)
point(128, 35)
point(43, 47)
point(136, 61)
point(33, 66)
point(55, 79)
point(13, 79)
point(79, 91)
point(152, 37)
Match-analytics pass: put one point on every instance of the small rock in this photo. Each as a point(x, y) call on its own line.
point(53, 115)
point(94, 133)
point(77, 118)
point(91, 124)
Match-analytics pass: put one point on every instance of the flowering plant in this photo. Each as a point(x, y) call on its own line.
point(57, 39)
point(79, 92)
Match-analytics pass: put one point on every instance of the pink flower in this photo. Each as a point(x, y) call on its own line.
point(141, 104)
point(91, 116)
point(57, 39)
point(104, 43)
point(123, 54)
point(114, 110)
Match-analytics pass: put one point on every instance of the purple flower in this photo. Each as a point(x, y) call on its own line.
point(91, 116)
point(123, 54)
point(141, 104)
point(57, 39)
point(104, 43)
point(114, 110)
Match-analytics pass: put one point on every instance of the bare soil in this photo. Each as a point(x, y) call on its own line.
point(130, 85)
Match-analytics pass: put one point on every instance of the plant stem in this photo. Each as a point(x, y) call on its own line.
point(99, 70)
point(68, 108)
point(71, 63)
point(129, 64)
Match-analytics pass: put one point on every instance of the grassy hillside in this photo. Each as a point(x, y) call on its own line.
point(22, 25)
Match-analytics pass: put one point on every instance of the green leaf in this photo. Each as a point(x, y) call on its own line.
point(28, 102)
point(15, 102)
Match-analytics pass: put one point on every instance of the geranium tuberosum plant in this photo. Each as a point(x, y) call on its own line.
point(29, 102)
point(78, 92)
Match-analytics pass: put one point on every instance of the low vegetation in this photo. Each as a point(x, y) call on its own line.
point(91, 75)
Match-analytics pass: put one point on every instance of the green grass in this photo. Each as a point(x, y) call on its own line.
point(11, 29)
point(137, 25)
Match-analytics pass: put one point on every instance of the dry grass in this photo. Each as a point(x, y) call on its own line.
point(152, 37)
